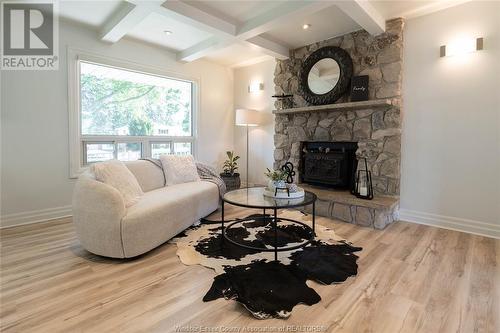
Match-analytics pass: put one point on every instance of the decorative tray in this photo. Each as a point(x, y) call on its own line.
point(283, 194)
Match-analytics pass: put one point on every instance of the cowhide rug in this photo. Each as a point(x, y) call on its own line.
point(268, 288)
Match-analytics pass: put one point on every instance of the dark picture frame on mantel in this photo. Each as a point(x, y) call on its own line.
point(359, 88)
point(345, 65)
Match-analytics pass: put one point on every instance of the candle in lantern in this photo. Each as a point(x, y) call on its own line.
point(363, 190)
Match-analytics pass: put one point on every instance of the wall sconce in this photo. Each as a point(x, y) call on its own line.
point(255, 87)
point(461, 46)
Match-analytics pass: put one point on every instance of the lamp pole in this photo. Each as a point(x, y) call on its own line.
point(248, 182)
point(246, 117)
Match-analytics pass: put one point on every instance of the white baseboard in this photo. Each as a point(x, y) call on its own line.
point(440, 221)
point(34, 216)
point(452, 223)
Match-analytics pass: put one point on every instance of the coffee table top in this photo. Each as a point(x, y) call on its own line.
point(253, 197)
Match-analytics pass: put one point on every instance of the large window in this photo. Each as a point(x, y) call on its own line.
point(129, 114)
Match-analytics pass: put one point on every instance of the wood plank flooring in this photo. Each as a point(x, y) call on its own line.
point(412, 278)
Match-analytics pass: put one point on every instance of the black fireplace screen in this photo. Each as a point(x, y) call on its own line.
point(330, 164)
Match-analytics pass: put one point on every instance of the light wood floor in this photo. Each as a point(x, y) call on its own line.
point(412, 278)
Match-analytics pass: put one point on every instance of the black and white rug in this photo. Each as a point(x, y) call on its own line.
point(265, 287)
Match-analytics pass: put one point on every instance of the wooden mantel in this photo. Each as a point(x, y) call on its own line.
point(374, 103)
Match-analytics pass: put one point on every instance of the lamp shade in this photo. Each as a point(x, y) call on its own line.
point(247, 117)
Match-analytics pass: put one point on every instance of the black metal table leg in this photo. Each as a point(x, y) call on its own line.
point(232, 199)
point(222, 213)
point(314, 218)
point(275, 234)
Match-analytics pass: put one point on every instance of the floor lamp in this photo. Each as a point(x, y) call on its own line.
point(247, 118)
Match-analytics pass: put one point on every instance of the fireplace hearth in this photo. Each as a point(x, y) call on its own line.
point(328, 164)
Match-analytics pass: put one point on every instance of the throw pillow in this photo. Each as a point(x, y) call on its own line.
point(117, 175)
point(179, 169)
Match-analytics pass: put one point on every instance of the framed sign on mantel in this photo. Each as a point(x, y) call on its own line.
point(359, 88)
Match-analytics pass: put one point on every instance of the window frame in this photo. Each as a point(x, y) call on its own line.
point(77, 141)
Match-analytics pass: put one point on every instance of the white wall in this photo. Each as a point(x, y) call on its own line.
point(261, 137)
point(34, 170)
point(451, 124)
point(451, 121)
point(451, 143)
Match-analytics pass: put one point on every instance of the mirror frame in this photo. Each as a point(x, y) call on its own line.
point(344, 61)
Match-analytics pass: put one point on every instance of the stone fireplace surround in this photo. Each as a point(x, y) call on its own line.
point(377, 129)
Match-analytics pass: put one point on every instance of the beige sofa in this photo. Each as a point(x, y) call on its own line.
point(105, 227)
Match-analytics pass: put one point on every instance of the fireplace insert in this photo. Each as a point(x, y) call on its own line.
point(329, 164)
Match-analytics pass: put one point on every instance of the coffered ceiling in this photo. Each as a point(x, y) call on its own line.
point(236, 33)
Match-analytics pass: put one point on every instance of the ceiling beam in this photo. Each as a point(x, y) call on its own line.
point(269, 47)
point(248, 33)
point(288, 12)
point(192, 15)
point(203, 49)
point(363, 13)
point(123, 21)
point(213, 44)
point(225, 32)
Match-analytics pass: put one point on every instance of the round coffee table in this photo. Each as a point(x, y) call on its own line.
point(253, 197)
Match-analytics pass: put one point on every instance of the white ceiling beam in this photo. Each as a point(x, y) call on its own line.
point(269, 47)
point(203, 49)
point(132, 12)
point(213, 44)
point(247, 33)
point(225, 32)
point(123, 21)
point(364, 14)
point(194, 16)
point(289, 11)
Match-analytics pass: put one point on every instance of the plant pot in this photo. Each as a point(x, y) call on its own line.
point(273, 184)
point(233, 182)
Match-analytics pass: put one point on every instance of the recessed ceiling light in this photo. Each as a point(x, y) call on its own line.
point(167, 32)
point(306, 26)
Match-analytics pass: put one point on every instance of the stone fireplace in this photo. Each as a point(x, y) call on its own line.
point(374, 126)
point(376, 131)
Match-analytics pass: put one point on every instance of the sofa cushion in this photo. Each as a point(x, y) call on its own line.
point(179, 169)
point(163, 213)
point(149, 175)
point(116, 174)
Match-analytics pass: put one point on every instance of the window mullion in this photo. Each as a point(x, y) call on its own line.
point(115, 152)
point(83, 147)
point(146, 148)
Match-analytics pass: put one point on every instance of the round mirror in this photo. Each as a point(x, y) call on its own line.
point(323, 76)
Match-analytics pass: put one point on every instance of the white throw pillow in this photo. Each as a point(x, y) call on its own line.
point(179, 169)
point(116, 174)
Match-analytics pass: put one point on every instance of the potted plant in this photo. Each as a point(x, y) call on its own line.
point(229, 175)
point(277, 178)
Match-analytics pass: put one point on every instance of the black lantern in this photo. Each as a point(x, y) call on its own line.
point(363, 187)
